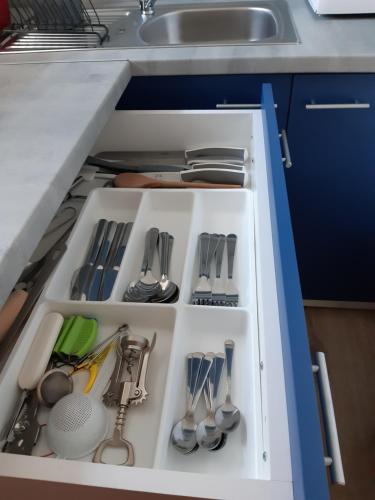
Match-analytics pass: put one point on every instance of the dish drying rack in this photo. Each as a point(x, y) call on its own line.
point(53, 25)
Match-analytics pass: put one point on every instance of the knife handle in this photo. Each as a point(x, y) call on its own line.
point(106, 243)
point(115, 243)
point(122, 246)
point(96, 241)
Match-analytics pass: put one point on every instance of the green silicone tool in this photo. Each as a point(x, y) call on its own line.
point(77, 336)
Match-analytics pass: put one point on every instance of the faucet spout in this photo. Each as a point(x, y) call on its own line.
point(147, 7)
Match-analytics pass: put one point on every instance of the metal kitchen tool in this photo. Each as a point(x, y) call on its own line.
point(118, 166)
point(113, 246)
point(81, 280)
point(111, 270)
point(54, 385)
point(98, 268)
point(231, 292)
point(147, 285)
point(183, 436)
point(207, 244)
point(218, 287)
point(135, 352)
point(168, 289)
point(209, 436)
point(228, 416)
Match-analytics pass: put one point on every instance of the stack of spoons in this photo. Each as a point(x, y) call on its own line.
point(203, 375)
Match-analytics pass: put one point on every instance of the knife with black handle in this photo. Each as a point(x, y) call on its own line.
point(111, 254)
point(94, 286)
point(110, 272)
point(82, 278)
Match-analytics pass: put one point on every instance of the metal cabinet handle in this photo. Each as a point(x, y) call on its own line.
point(334, 460)
point(287, 159)
point(240, 106)
point(353, 105)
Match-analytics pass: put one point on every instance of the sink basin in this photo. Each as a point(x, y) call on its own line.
point(257, 22)
point(250, 23)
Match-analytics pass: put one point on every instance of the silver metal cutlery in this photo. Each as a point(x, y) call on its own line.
point(223, 291)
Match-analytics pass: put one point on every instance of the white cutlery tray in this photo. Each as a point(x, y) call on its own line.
point(258, 451)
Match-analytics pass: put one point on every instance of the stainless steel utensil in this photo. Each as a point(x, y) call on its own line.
point(183, 436)
point(101, 259)
point(228, 416)
point(81, 280)
point(54, 385)
point(231, 292)
point(111, 271)
point(207, 244)
point(218, 287)
point(209, 436)
point(147, 285)
point(168, 289)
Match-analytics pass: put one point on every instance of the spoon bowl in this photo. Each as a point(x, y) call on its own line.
point(227, 417)
point(183, 436)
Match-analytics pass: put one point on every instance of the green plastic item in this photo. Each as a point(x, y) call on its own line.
point(77, 336)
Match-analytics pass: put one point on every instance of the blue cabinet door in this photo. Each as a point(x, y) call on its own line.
point(308, 469)
point(204, 92)
point(331, 185)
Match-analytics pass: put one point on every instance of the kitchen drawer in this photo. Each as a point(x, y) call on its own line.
point(277, 451)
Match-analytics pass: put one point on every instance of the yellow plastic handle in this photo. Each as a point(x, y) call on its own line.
point(93, 372)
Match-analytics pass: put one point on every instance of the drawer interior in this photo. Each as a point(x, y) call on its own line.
point(181, 327)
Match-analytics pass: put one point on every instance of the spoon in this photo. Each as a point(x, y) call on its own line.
point(209, 436)
point(183, 436)
point(228, 416)
point(130, 180)
point(168, 288)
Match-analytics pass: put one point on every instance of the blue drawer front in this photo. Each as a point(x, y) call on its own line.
point(309, 475)
point(204, 92)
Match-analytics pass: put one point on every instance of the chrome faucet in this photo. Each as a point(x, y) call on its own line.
point(147, 7)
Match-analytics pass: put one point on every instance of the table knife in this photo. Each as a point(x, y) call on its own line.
point(110, 273)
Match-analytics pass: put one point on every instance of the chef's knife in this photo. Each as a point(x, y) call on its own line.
point(94, 286)
point(110, 273)
point(81, 280)
point(117, 166)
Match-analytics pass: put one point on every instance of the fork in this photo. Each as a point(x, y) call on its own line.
point(218, 288)
point(202, 294)
point(231, 292)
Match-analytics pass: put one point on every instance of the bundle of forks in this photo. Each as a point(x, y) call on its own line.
point(221, 291)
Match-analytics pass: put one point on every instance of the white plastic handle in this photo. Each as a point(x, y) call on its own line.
point(334, 461)
point(40, 351)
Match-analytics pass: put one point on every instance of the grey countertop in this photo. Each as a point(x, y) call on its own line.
point(50, 117)
point(328, 44)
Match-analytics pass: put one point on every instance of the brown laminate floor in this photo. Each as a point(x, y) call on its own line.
point(347, 337)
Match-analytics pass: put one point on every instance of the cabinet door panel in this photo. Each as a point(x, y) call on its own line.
point(204, 92)
point(331, 186)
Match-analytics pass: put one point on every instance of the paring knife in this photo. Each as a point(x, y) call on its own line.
point(110, 272)
point(94, 286)
point(83, 277)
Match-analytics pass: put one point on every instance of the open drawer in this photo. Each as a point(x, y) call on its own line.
point(277, 450)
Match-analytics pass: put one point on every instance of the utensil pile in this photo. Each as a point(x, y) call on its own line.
point(221, 291)
point(203, 375)
point(97, 276)
point(148, 288)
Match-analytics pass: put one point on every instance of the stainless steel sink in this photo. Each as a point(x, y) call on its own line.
point(248, 23)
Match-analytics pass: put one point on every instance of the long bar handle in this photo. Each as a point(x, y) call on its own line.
point(240, 106)
point(335, 460)
point(287, 159)
point(349, 105)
